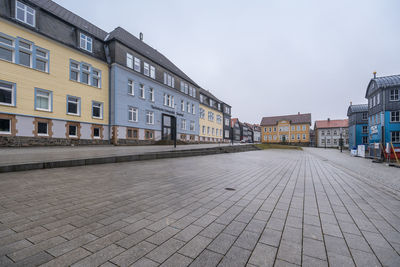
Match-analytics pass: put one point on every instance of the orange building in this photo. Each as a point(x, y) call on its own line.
point(288, 129)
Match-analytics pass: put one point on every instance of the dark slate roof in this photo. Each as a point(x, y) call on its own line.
point(144, 49)
point(357, 108)
point(382, 82)
point(70, 17)
point(208, 94)
point(297, 118)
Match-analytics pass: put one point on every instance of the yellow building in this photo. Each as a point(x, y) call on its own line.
point(52, 92)
point(211, 118)
point(288, 129)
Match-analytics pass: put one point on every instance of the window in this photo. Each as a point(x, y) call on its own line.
point(274, 129)
point(169, 101)
point(41, 61)
point(208, 130)
point(365, 129)
point(129, 60)
point(304, 127)
point(298, 136)
point(149, 117)
point(219, 119)
point(43, 100)
point(334, 132)
point(216, 132)
point(149, 134)
point(137, 64)
point(25, 58)
point(227, 124)
point(210, 116)
point(7, 93)
point(202, 113)
point(365, 116)
point(192, 125)
point(132, 133)
point(212, 131)
point(211, 102)
point(141, 91)
point(328, 132)
point(365, 139)
point(183, 124)
point(96, 132)
point(186, 88)
point(169, 80)
point(97, 110)
point(133, 114)
point(395, 116)
point(151, 94)
point(322, 132)
point(131, 90)
point(193, 109)
point(182, 105)
point(227, 134)
point(73, 105)
point(204, 130)
point(201, 98)
point(328, 141)
point(7, 48)
point(5, 126)
point(84, 73)
point(96, 78)
point(219, 106)
point(292, 136)
point(146, 69)
point(395, 137)
point(188, 107)
point(152, 72)
point(24, 13)
point(304, 137)
point(394, 95)
point(378, 98)
point(335, 141)
point(42, 128)
point(73, 131)
point(86, 42)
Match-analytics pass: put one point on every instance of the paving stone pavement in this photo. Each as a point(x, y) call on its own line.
point(289, 208)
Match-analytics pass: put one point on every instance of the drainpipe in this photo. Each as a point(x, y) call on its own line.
point(108, 58)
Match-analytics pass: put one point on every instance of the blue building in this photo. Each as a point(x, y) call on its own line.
point(358, 125)
point(383, 113)
point(150, 98)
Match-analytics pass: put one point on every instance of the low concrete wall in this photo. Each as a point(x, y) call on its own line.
point(126, 158)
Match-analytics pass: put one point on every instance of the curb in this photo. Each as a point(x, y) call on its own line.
point(126, 158)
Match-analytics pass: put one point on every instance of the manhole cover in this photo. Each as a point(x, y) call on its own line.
point(230, 189)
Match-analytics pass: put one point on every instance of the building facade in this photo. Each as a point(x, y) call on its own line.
point(286, 129)
point(151, 99)
point(236, 130)
point(227, 132)
point(54, 76)
point(383, 95)
point(358, 125)
point(211, 117)
point(328, 133)
point(256, 133)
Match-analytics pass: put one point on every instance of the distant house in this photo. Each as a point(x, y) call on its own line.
point(236, 129)
point(383, 94)
point(328, 132)
point(288, 128)
point(256, 133)
point(358, 125)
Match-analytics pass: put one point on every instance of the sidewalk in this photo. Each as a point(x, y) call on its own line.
point(43, 154)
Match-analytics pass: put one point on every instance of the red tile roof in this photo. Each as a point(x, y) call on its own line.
point(233, 121)
point(332, 123)
point(297, 118)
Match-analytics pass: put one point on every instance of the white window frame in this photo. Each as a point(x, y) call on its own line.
point(47, 129)
point(77, 102)
point(131, 87)
point(193, 109)
point(129, 60)
point(86, 41)
point(146, 69)
point(94, 76)
point(133, 114)
point(76, 131)
point(136, 64)
point(395, 95)
point(142, 91)
point(398, 137)
point(26, 10)
point(152, 72)
point(101, 109)
point(151, 93)
point(192, 126)
point(150, 117)
point(9, 127)
point(12, 89)
point(182, 105)
point(397, 116)
point(183, 124)
point(45, 94)
point(99, 136)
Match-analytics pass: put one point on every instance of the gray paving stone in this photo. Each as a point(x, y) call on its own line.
point(133, 254)
point(100, 256)
point(339, 260)
point(314, 248)
point(247, 240)
point(14, 247)
point(195, 246)
point(281, 263)
point(362, 258)
point(109, 228)
point(271, 237)
point(207, 258)
point(163, 235)
point(313, 262)
point(71, 245)
point(177, 260)
point(290, 252)
point(357, 242)
point(234, 228)
point(188, 233)
point(68, 258)
point(135, 238)
point(144, 262)
point(336, 245)
point(104, 241)
point(34, 260)
point(163, 252)
point(312, 231)
point(212, 230)
point(263, 255)
point(222, 243)
point(235, 257)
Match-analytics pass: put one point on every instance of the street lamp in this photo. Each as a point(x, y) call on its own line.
point(341, 139)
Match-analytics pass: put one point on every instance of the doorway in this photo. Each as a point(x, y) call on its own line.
point(168, 127)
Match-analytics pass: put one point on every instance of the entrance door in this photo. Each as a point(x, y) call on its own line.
point(168, 127)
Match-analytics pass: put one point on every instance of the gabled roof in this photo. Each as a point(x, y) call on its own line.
point(297, 118)
point(144, 49)
point(331, 123)
point(70, 17)
point(357, 109)
point(208, 94)
point(382, 82)
point(233, 121)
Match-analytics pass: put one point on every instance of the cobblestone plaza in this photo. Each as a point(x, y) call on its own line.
point(287, 208)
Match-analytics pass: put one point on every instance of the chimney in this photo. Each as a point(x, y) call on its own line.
point(298, 113)
point(141, 36)
point(374, 74)
point(351, 103)
point(329, 119)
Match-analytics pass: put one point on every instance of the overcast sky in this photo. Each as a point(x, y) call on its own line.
point(266, 58)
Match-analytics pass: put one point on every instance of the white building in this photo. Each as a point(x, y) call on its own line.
point(328, 133)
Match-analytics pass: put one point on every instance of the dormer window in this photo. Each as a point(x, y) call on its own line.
point(24, 13)
point(86, 42)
